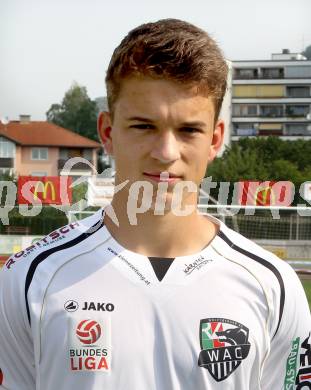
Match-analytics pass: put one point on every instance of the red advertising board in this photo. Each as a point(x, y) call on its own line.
point(3, 259)
point(46, 190)
point(265, 193)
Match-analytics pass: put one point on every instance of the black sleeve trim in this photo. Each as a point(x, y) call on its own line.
point(44, 255)
point(265, 263)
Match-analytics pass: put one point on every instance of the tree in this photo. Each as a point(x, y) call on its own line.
point(238, 164)
point(307, 52)
point(263, 159)
point(76, 112)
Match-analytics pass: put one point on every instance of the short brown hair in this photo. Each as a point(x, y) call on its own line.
point(171, 49)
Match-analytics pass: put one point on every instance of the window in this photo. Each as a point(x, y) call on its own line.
point(244, 110)
point(63, 154)
point(7, 148)
point(5, 171)
point(87, 154)
point(298, 91)
point(75, 152)
point(39, 153)
point(245, 73)
point(297, 72)
point(297, 129)
point(271, 111)
point(39, 173)
point(297, 110)
point(272, 73)
point(245, 129)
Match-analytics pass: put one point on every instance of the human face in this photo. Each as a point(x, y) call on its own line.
point(161, 126)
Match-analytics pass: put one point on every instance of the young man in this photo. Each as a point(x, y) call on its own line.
point(148, 293)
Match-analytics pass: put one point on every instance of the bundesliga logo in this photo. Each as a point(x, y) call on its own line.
point(90, 354)
point(88, 331)
point(224, 344)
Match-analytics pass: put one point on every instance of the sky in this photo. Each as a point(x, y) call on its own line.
point(46, 45)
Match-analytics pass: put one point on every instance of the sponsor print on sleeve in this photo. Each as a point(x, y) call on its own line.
point(291, 366)
point(303, 378)
point(53, 237)
point(90, 345)
point(224, 344)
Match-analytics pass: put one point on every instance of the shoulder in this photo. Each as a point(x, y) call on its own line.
point(255, 256)
point(278, 280)
point(64, 237)
point(18, 273)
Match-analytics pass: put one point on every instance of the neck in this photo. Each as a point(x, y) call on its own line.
point(165, 235)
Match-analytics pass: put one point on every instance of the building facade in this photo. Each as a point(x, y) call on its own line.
point(272, 98)
point(37, 148)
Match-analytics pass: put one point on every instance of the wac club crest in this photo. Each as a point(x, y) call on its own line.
point(224, 344)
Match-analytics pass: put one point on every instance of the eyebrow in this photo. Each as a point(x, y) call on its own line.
point(193, 124)
point(139, 119)
point(183, 124)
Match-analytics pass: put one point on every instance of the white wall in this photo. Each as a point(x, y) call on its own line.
point(225, 112)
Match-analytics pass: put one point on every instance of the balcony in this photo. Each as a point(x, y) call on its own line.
point(6, 162)
point(81, 166)
point(267, 76)
point(271, 112)
point(297, 111)
point(245, 131)
point(263, 74)
point(245, 74)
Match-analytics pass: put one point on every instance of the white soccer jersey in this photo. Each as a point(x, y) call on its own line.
point(79, 311)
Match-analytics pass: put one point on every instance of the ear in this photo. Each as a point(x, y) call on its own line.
point(217, 139)
point(104, 129)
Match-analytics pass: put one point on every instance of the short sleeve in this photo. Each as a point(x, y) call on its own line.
point(288, 361)
point(16, 346)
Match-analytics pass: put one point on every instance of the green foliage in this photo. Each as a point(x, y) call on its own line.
point(7, 177)
point(48, 220)
point(307, 52)
point(307, 287)
point(77, 112)
point(285, 170)
point(264, 159)
point(4, 192)
point(237, 164)
point(79, 192)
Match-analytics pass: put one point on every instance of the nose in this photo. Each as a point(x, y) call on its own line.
point(166, 148)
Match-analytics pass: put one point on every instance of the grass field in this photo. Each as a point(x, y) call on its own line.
point(307, 286)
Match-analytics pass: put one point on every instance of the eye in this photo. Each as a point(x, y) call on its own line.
point(142, 126)
point(190, 130)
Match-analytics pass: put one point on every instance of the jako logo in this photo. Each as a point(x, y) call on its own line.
point(98, 306)
point(88, 331)
point(71, 306)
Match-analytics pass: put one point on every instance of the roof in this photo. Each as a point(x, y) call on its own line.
point(40, 133)
point(291, 62)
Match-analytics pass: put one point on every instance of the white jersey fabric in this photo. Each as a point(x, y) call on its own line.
point(79, 311)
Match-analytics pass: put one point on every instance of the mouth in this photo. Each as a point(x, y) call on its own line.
point(166, 177)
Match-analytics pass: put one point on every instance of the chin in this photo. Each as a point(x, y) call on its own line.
point(164, 205)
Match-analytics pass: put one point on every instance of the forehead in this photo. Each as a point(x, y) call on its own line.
point(161, 98)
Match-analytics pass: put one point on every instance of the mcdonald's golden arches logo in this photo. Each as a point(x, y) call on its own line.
point(264, 196)
point(43, 188)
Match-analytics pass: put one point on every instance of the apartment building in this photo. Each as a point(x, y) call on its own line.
point(272, 98)
point(38, 148)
